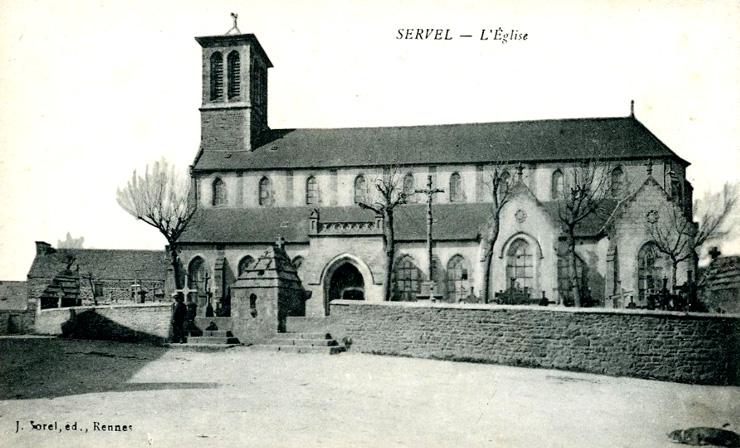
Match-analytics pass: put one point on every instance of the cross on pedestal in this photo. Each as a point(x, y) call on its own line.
point(430, 192)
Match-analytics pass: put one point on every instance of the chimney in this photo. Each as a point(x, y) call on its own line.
point(44, 248)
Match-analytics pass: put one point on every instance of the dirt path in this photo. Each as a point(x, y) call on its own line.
point(242, 397)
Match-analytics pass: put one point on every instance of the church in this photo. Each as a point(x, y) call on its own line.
point(254, 184)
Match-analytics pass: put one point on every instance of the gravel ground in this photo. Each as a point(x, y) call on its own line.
point(246, 398)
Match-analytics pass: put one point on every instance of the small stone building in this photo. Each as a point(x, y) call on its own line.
point(96, 276)
point(720, 285)
point(265, 294)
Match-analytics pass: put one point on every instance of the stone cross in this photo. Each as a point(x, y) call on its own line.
point(649, 166)
point(519, 170)
point(234, 16)
point(205, 283)
point(430, 192)
point(184, 291)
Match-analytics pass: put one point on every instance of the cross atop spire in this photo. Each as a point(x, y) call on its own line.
point(519, 170)
point(234, 28)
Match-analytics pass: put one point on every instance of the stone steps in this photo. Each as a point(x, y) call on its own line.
point(199, 340)
point(300, 349)
point(202, 347)
point(315, 342)
point(217, 333)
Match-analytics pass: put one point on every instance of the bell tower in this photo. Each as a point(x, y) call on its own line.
point(233, 113)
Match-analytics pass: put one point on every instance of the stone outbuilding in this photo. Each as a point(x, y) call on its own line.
point(265, 295)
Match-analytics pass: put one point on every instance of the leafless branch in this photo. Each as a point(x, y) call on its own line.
point(160, 198)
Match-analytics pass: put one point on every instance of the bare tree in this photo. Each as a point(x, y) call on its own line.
point(499, 186)
point(678, 237)
point(391, 194)
point(161, 198)
point(587, 186)
point(713, 214)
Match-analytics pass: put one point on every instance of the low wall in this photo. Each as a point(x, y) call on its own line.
point(16, 322)
point(138, 322)
point(671, 346)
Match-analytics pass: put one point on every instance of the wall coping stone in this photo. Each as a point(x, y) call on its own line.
point(556, 309)
point(108, 307)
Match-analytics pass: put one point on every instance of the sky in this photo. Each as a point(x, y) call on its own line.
point(91, 90)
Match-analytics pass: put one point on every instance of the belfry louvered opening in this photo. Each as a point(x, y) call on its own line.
point(234, 77)
point(217, 77)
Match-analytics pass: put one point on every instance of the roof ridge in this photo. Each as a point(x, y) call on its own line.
point(467, 123)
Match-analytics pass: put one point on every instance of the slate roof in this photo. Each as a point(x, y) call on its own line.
point(13, 295)
point(521, 141)
point(105, 264)
point(453, 222)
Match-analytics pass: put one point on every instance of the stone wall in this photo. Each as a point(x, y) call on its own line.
point(17, 321)
point(138, 322)
point(670, 346)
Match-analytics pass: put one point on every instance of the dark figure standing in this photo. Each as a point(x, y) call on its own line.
point(178, 320)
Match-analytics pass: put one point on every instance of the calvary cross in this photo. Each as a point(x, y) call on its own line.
point(430, 192)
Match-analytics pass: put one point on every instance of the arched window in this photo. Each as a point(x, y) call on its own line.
point(408, 187)
point(265, 192)
point(519, 265)
point(458, 283)
point(234, 87)
point(651, 270)
point(617, 181)
point(219, 193)
point(312, 191)
point(197, 276)
point(557, 187)
point(217, 77)
point(406, 279)
point(245, 263)
point(456, 193)
point(360, 189)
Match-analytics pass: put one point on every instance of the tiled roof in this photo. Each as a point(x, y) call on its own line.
point(453, 222)
point(105, 264)
point(722, 274)
point(525, 141)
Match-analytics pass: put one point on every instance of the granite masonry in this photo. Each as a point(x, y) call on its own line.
point(669, 346)
point(132, 323)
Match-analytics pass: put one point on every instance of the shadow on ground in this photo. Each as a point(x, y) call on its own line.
point(49, 368)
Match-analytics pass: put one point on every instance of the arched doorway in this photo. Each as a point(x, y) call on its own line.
point(344, 282)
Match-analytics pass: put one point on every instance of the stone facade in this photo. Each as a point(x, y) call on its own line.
point(669, 346)
point(253, 184)
point(264, 296)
